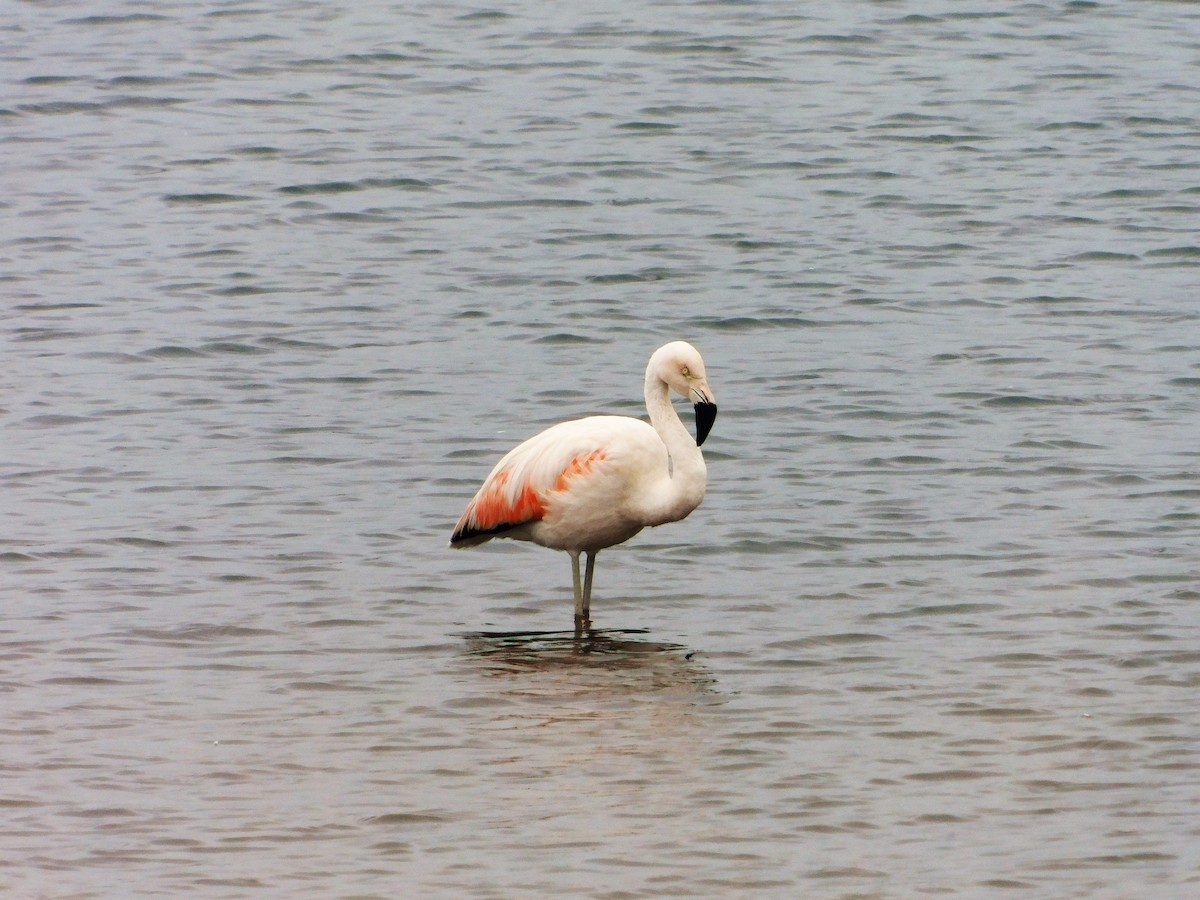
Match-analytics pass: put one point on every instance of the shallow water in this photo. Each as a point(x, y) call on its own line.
point(282, 281)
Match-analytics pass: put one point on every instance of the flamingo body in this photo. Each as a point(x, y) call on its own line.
point(591, 483)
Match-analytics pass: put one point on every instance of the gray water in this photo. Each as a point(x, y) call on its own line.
point(282, 280)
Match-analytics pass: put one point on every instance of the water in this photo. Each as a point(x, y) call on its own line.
point(281, 281)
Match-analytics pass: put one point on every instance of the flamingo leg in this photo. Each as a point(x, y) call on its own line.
point(587, 588)
point(578, 589)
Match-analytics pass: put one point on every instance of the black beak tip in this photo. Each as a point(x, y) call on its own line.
point(706, 414)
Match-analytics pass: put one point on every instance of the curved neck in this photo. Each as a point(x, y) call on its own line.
point(665, 419)
point(682, 488)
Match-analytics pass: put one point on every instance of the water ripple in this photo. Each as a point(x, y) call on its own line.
point(276, 305)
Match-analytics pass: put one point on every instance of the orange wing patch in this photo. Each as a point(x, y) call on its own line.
point(497, 508)
point(494, 508)
point(580, 465)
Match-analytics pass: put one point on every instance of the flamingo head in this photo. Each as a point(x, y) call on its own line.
point(680, 366)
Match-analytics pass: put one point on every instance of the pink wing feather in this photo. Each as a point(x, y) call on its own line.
point(519, 488)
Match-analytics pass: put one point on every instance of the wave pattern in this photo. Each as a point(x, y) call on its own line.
point(282, 281)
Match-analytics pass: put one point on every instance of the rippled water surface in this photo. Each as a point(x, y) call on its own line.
point(282, 280)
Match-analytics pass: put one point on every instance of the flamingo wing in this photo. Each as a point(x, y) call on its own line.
point(518, 490)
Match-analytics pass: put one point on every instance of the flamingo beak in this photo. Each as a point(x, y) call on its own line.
point(706, 414)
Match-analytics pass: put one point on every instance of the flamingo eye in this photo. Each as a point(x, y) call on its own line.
point(685, 371)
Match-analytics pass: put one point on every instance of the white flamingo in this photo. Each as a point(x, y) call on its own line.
point(588, 484)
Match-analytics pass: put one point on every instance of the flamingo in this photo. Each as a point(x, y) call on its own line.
point(592, 483)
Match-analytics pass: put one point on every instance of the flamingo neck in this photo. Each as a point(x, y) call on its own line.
point(681, 487)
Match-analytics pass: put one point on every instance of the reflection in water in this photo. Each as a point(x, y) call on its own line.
point(570, 753)
point(593, 733)
point(610, 668)
point(522, 650)
point(545, 678)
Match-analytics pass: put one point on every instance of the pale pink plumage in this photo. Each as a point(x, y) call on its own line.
point(587, 484)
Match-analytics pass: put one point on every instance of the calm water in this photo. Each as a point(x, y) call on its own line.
point(282, 280)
